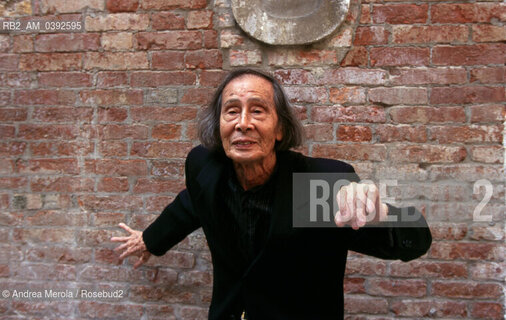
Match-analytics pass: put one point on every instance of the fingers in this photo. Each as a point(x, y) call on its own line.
point(126, 228)
point(359, 204)
point(142, 259)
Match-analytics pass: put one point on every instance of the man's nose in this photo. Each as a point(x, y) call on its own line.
point(244, 122)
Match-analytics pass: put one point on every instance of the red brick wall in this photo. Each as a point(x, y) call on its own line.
point(95, 126)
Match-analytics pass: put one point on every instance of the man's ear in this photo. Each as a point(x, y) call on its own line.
point(279, 132)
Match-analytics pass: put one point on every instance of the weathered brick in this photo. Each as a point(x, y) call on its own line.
point(487, 154)
point(122, 5)
point(4, 43)
point(348, 114)
point(51, 236)
point(111, 97)
point(211, 78)
point(391, 133)
point(371, 35)
point(487, 310)
point(116, 60)
point(158, 186)
point(169, 40)
point(173, 4)
point(7, 131)
point(67, 42)
point(157, 79)
point(64, 79)
point(464, 95)
point(487, 271)
point(354, 133)
point(465, 250)
point(112, 114)
point(170, 114)
point(487, 233)
point(429, 269)
point(199, 19)
point(13, 114)
point(244, 57)
point(117, 41)
point(166, 132)
point(9, 149)
point(399, 56)
point(398, 95)
point(367, 305)
point(427, 114)
point(400, 13)
point(210, 39)
point(410, 76)
point(488, 75)
point(230, 38)
point(62, 184)
point(162, 96)
point(50, 61)
point(356, 56)
point(62, 114)
point(197, 95)
point(104, 309)
point(466, 12)
point(203, 59)
point(109, 202)
point(466, 134)
point(351, 152)
point(347, 95)
point(112, 148)
point(22, 43)
point(307, 94)
point(167, 60)
point(429, 34)
point(429, 308)
point(318, 132)
point(428, 154)
point(393, 288)
point(469, 55)
point(117, 167)
point(488, 33)
point(44, 97)
point(16, 79)
point(161, 149)
point(117, 21)
point(167, 21)
point(111, 79)
point(286, 57)
point(488, 113)
point(118, 131)
point(63, 6)
point(466, 290)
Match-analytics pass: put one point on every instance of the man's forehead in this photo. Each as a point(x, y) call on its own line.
point(249, 82)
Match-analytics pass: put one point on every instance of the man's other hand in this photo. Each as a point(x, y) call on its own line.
point(133, 245)
point(359, 204)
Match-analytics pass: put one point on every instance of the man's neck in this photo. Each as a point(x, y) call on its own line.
point(251, 175)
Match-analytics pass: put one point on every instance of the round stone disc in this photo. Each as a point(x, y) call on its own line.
point(289, 21)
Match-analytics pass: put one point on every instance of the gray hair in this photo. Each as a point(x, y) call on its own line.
point(209, 118)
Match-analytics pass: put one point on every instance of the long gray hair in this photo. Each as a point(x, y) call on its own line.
point(209, 118)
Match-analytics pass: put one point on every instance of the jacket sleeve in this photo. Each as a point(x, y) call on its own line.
point(396, 240)
point(175, 222)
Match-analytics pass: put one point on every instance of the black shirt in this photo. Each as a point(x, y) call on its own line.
point(252, 210)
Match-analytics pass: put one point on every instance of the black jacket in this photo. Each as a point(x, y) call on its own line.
point(299, 273)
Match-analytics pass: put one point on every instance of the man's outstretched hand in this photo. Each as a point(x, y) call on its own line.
point(133, 245)
point(359, 204)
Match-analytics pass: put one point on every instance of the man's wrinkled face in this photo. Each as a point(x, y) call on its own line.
point(248, 120)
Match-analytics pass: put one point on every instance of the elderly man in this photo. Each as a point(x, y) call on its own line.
point(239, 190)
